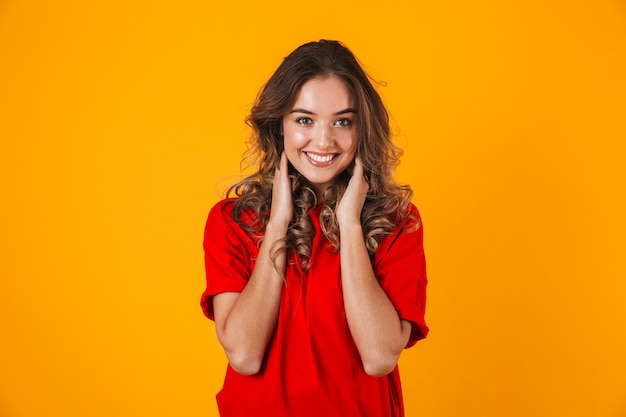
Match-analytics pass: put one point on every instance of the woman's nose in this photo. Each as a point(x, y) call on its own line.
point(323, 136)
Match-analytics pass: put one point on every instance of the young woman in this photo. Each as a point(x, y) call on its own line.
point(315, 268)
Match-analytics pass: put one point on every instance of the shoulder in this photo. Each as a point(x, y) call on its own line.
point(223, 207)
point(223, 228)
point(410, 220)
point(231, 212)
point(407, 236)
point(222, 212)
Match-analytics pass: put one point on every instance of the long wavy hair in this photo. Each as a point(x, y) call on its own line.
point(386, 204)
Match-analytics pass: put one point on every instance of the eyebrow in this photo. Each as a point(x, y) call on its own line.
point(340, 112)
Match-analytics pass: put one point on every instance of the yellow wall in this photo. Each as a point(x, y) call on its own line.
point(121, 120)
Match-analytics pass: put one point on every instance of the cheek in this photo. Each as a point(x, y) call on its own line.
point(294, 139)
point(348, 142)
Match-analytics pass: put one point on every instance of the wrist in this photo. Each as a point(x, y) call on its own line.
point(275, 228)
point(348, 226)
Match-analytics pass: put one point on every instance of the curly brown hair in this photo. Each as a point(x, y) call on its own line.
point(386, 204)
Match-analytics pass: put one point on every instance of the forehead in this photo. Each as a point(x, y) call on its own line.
point(328, 91)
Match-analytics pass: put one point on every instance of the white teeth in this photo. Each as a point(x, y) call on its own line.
point(320, 158)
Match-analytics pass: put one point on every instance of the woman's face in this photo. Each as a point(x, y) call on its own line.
point(320, 131)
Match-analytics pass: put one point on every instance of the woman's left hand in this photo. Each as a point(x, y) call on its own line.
point(351, 204)
point(376, 328)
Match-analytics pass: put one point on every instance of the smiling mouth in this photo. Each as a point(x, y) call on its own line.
point(320, 159)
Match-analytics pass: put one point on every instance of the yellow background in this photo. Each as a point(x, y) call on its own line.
point(122, 121)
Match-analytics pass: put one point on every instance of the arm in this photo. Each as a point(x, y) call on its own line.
point(379, 333)
point(246, 321)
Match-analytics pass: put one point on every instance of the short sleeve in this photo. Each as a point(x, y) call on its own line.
point(400, 267)
point(227, 255)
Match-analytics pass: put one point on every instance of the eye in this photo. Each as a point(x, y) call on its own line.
point(304, 120)
point(345, 122)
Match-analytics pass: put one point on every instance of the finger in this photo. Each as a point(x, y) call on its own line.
point(359, 172)
point(280, 169)
point(358, 167)
point(284, 162)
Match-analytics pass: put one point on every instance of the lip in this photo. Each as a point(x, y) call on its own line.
point(322, 160)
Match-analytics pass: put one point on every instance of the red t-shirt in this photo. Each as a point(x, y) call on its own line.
point(312, 366)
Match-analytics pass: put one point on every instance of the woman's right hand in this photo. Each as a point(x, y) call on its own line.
point(282, 198)
point(246, 321)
